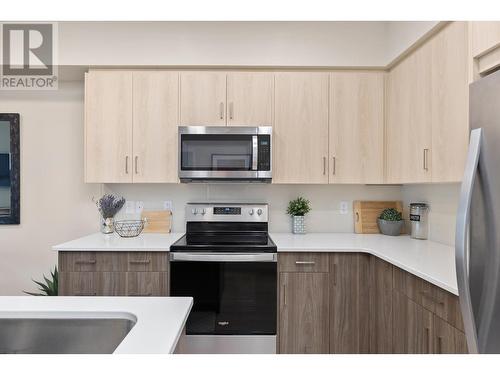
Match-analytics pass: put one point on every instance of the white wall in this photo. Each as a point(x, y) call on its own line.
point(55, 203)
point(400, 35)
point(340, 43)
point(325, 200)
point(443, 201)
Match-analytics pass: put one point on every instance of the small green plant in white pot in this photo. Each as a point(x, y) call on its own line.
point(297, 209)
point(390, 222)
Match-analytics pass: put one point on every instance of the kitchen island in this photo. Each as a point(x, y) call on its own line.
point(157, 323)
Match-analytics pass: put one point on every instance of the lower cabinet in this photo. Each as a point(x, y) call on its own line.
point(356, 303)
point(303, 320)
point(89, 273)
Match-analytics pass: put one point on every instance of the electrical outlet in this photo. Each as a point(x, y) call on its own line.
point(130, 207)
point(139, 206)
point(167, 205)
point(344, 207)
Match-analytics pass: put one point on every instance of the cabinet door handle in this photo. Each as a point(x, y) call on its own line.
point(335, 274)
point(432, 299)
point(221, 110)
point(284, 294)
point(324, 165)
point(231, 110)
point(334, 162)
point(427, 343)
point(135, 162)
point(439, 345)
point(140, 294)
point(304, 262)
point(85, 262)
point(426, 157)
point(139, 261)
point(126, 164)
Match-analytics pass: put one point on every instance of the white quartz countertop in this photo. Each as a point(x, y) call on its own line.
point(113, 242)
point(159, 321)
point(432, 261)
point(429, 260)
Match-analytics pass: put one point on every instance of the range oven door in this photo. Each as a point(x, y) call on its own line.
point(227, 153)
point(234, 294)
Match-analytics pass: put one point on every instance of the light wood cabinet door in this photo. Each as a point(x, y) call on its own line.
point(408, 129)
point(349, 303)
point(250, 97)
point(155, 121)
point(357, 127)
point(413, 327)
point(301, 128)
point(450, 103)
point(485, 35)
point(108, 127)
point(303, 321)
point(203, 98)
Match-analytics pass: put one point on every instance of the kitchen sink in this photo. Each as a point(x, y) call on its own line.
point(47, 335)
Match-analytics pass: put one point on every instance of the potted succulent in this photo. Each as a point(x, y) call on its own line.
point(108, 206)
point(48, 287)
point(297, 208)
point(390, 222)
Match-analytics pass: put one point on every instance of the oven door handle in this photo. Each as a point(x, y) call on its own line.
point(223, 257)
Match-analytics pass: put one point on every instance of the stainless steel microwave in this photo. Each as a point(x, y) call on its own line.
point(225, 153)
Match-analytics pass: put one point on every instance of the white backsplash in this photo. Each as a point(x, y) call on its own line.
point(325, 200)
point(443, 202)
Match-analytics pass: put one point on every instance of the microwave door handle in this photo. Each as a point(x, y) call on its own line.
point(255, 149)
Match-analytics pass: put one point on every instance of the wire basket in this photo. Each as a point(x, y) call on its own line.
point(129, 228)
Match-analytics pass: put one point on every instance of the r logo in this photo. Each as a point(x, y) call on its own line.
point(27, 49)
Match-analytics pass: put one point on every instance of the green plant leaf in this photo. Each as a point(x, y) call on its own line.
point(49, 286)
point(298, 207)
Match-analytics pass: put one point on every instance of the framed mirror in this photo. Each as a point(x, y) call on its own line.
point(9, 168)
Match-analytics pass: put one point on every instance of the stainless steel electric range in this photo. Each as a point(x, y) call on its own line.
point(226, 261)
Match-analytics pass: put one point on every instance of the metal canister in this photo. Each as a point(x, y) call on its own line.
point(419, 218)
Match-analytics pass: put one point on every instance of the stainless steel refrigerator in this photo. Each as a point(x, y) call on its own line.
point(477, 242)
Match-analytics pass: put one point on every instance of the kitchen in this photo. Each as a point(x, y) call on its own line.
point(215, 151)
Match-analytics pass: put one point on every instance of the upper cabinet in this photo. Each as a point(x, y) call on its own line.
point(250, 99)
point(131, 126)
point(485, 46)
point(203, 98)
point(155, 119)
point(300, 140)
point(356, 128)
point(220, 98)
point(427, 111)
point(108, 126)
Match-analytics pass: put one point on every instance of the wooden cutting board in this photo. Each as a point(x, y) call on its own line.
point(157, 221)
point(367, 212)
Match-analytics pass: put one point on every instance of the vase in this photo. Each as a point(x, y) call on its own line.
point(298, 225)
point(107, 225)
point(390, 228)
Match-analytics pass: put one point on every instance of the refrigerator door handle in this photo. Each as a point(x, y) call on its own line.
point(462, 248)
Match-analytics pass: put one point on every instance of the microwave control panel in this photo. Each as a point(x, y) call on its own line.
point(264, 156)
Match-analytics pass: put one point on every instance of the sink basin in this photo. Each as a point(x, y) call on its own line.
point(49, 335)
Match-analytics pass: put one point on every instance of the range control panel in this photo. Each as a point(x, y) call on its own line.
point(245, 212)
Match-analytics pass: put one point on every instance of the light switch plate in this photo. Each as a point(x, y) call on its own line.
point(130, 207)
point(344, 207)
point(139, 206)
point(167, 205)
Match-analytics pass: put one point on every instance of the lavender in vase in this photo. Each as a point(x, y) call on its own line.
point(108, 206)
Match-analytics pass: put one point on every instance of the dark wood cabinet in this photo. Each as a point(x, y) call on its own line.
point(87, 273)
point(448, 339)
point(380, 286)
point(303, 320)
point(349, 303)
